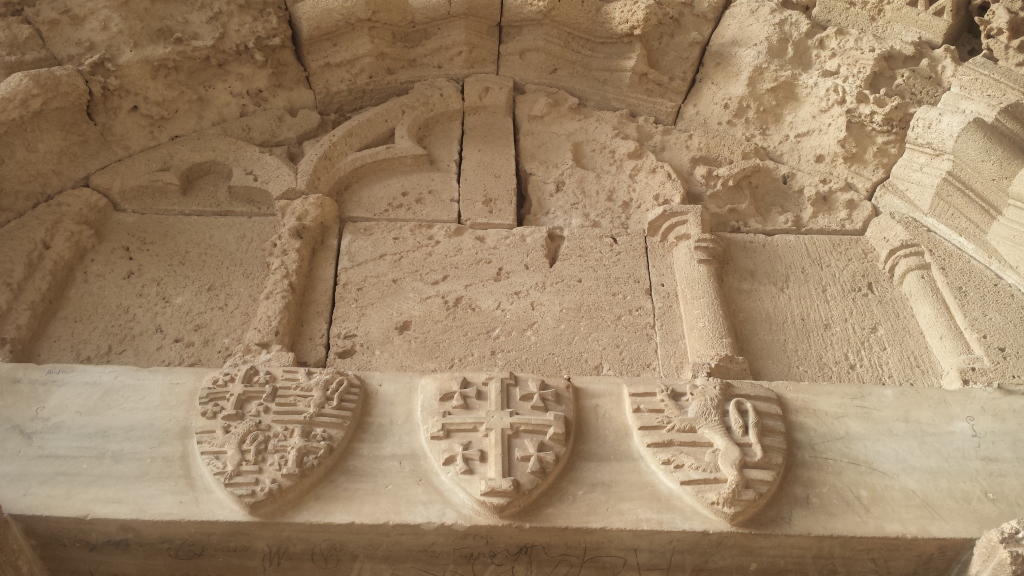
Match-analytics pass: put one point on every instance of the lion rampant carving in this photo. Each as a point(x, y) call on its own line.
point(705, 414)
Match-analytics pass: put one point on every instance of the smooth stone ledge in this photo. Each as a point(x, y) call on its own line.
point(98, 464)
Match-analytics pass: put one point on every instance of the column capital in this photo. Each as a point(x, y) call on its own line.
point(678, 223)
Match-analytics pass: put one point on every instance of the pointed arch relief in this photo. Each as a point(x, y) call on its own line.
point(204, 174)
point(396, 161)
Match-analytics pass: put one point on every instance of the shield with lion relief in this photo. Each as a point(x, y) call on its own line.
point(721, 443)
point(497, 439)
point(266, 434)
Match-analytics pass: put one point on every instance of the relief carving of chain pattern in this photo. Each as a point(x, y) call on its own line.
point(262, 433)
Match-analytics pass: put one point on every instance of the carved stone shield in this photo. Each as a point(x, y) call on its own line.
point(722, 443)
point(497, 439)
point(265, 433)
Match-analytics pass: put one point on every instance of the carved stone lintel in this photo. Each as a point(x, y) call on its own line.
point(697, 255)
point(722, 443)
point(267, 434)
point(936, 311)
point(1000, 552)
point(498, 439)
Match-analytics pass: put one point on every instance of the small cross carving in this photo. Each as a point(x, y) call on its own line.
point(538, 393)
point(457, 393)
point(536, 457)
point(458, 453)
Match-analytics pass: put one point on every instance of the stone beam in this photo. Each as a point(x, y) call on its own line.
point(100, 467)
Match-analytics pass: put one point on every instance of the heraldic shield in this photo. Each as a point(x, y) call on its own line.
point(497, 439)
point(263, 434)
point(722, 443)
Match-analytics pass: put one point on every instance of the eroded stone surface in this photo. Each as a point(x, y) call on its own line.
point(160, 70)
point(397, 161)
point(361, 53)
point(47, 141)
point(937, 22)
point(160, 291)
point(833, 103)
point(1001, 32)
point(21, 48)
point(40, 253)
point(636, 55)
point(200, 174)
point(530, 299)
point(583, 167)
point(1000, 552)
point(488, 194)
point(962, 169)
point(814, 308)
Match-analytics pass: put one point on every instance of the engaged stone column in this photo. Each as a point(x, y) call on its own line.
point(910, 267)
point(303, 225)
point(1000, 552)
point(696, 254)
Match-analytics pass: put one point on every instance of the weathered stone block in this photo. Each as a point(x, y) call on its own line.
point(47, 141)
point(21, 48)
point(937, 22)
point(626, 54)
point(362, 53)
point(488, 195)
point(166, 69)
point(834, 104)
point(449, 297)
point(159, 291)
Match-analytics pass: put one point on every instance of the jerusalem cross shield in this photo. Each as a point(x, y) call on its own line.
point(497, 439)
point(265, 433)
point(721, 443)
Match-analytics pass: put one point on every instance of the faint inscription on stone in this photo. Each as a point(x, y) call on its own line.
point(723, 443)
point(498, 440)
point(263, 433)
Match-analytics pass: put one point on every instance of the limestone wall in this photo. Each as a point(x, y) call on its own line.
point(743, 280)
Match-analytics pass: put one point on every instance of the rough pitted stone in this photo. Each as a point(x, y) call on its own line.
point(21, 48)
point(167, 69)
point(937, 22)
point(637, 55)
point(833, 103)
point(361, 53)
point(530, 299)
point(47, 141)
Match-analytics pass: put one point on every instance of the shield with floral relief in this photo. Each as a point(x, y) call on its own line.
point(497, 439)
point(267, 434)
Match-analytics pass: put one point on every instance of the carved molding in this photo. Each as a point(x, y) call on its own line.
point(721, 443)
point(499, 439)
point(933, 304)
point(267, 434)
point(697, 255)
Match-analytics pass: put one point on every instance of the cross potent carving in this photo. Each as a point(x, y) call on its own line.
point(237, 391)
point(497, 423)
point(536, 457)
point(537, 395)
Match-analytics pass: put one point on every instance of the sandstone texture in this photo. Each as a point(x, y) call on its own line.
point(203, 174)
point(488, 194)
point(47, 141)
point(362, 53)
point(1001, 33)
point(41, 251)
point(531, 299)
point(999, 552)
point(936, 22)
point(159, 290)
point(21, 48)
point(396, 161)
point(835, 104)
point(167, 69)
point(962, 170)
point(636, 55)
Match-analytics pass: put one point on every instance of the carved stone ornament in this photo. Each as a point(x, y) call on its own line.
point(723, 443)
point(497, 439)
point(263, 433)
